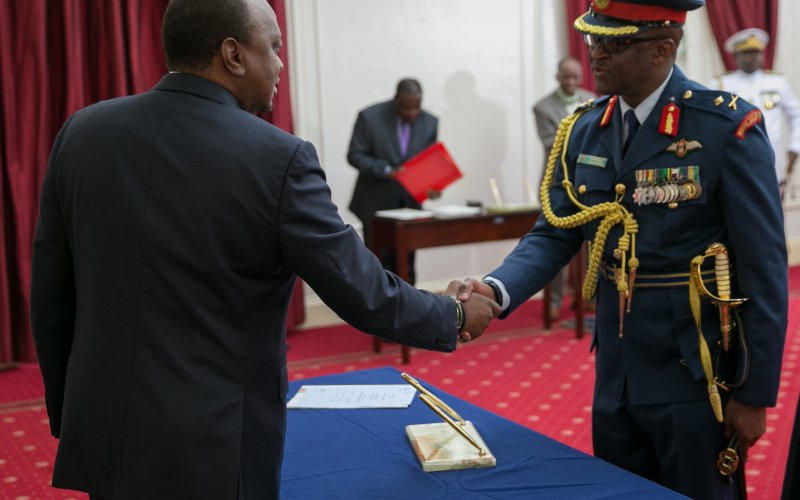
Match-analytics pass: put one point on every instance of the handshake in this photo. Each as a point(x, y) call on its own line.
point(479, 304)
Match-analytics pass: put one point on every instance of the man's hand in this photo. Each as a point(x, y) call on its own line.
point(749, 422)
point(470, 285)
point(393, 173)
point(478, 310)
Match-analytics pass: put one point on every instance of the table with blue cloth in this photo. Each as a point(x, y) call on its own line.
point(365, 454)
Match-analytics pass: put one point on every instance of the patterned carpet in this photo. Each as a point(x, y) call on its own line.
point(540, 379)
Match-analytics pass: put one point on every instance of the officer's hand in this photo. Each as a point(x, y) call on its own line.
point(478, 310)
point(470, 286)
point(749, 422)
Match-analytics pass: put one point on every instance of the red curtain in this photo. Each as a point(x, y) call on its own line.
point(576, 46)
point(729, 16)
point(57, 56)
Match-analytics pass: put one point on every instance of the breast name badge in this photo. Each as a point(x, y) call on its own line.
point(669, 185)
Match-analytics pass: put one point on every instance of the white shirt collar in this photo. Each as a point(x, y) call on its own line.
point(645, 107)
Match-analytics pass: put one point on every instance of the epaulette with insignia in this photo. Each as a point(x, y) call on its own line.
point(717, 101)
point(587, 104)
point(727, 105)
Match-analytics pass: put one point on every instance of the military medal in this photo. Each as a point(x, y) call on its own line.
point(667, 185)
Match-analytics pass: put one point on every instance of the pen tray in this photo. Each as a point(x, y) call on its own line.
point(439, 447)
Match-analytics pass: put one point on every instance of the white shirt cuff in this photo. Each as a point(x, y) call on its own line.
point(502, 287)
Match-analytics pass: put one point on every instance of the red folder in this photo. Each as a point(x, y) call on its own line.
point(433, 168)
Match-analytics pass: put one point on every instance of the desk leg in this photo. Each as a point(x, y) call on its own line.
point(401, 260)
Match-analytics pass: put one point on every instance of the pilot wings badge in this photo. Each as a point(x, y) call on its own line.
point(683, 147)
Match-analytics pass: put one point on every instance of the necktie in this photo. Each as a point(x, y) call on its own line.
point(633, 126)
point(403, 133)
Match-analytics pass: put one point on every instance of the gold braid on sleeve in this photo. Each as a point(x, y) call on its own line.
point(611, 213)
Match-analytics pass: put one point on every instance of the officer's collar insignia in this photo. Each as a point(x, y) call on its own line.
point(748, 122)
point(609, 112)
point(594, 161)
point(683, 147)
point(669, 120)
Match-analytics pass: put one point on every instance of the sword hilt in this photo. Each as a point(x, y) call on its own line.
point(722, 273)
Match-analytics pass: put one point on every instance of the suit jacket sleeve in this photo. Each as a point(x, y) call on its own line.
point(360, 153)
point(331, 258)
point(52, 292)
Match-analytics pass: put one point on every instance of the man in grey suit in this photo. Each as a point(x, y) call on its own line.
point(548, 113)
point(385, 136)
point(172, 224)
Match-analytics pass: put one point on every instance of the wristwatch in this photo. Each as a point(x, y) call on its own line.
point(498, 294)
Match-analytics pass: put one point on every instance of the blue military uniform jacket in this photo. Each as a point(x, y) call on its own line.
point(725, 148)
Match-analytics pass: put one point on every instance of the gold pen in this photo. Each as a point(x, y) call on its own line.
point(411, 380)
point(435, 408)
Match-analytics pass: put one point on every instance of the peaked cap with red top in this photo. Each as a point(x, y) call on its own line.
point(622, 18)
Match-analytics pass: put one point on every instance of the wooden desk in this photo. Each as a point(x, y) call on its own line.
point(403, 236)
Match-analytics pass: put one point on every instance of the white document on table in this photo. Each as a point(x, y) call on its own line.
point(404, 213)
point(352, 396)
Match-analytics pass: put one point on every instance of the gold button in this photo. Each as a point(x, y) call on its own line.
point(617, 253)
point(718, 100)
point(687, 94)
point(673, 205)
point(582, 188)
point(769, 104)
point(620, 188)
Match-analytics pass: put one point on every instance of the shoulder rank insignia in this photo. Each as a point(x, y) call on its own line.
point(748, 122)
point(588, 103)
point(609, 112)
point(669, 120)
point(683, 147)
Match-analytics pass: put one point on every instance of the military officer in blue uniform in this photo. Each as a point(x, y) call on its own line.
point(651, 175)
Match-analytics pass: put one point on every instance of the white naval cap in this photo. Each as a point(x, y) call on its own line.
point(747, 39)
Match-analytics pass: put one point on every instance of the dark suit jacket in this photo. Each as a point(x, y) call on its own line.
point(373, 146)
point(172, 225)
point(548, 113)
point(658, 359)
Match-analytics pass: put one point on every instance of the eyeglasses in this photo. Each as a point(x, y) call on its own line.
point(615, 45)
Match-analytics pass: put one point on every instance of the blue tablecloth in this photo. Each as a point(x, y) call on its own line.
point(365, 454)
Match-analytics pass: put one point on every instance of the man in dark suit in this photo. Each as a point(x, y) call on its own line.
point(385, 136)
point(654, 174)
point(548, 113)
point(172, 225)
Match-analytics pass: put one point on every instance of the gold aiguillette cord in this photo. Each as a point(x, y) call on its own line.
point(439, 407)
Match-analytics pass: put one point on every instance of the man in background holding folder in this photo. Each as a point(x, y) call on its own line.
point(385, 136)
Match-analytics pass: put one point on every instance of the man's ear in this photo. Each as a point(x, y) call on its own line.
point(664, 51)
point(232, 56)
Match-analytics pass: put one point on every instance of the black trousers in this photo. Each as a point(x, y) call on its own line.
point(673, 444)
